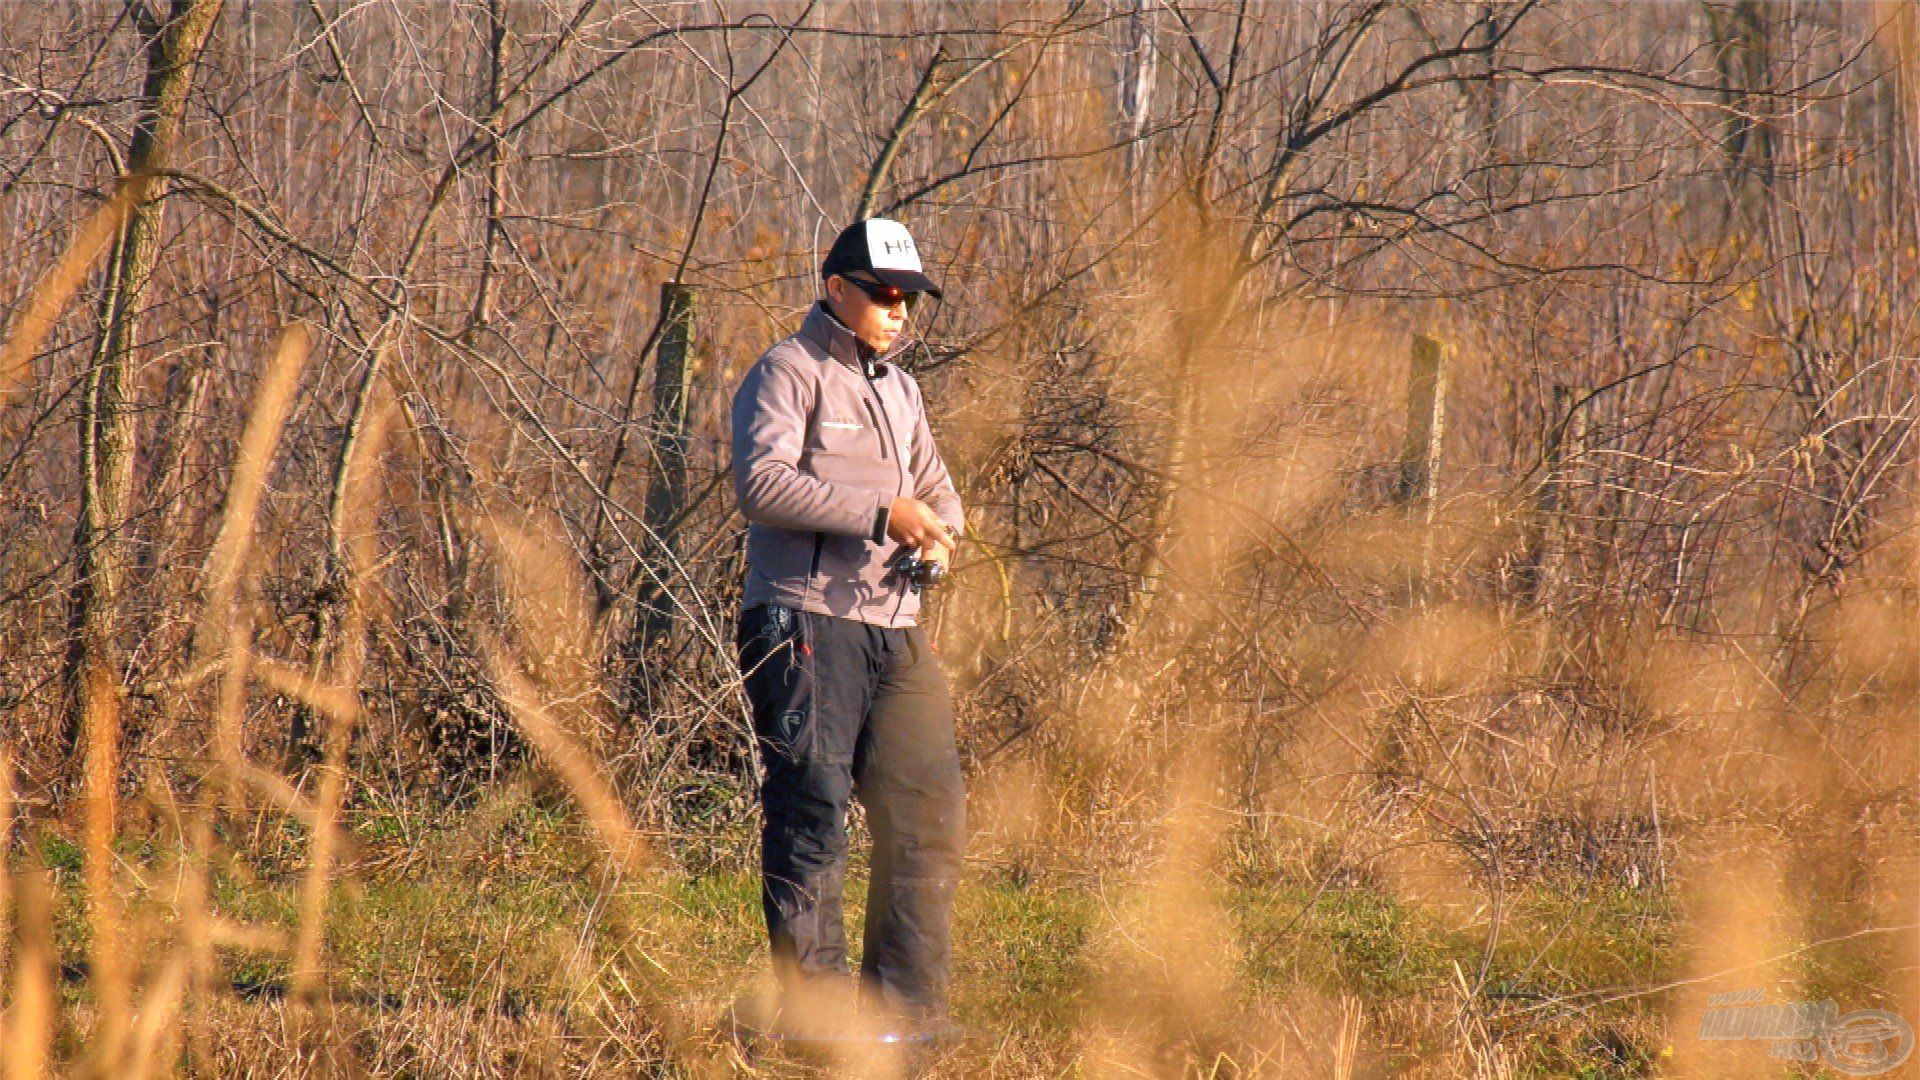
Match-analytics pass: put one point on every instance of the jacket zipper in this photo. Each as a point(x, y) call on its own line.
point(878, 409)
point(813, 565)
point(875, 417)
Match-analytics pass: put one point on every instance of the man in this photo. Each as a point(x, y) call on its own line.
point(837, 475)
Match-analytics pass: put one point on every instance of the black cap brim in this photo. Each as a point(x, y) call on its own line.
point(910, 280)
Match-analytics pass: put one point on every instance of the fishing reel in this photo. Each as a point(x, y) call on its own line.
point(923, 573)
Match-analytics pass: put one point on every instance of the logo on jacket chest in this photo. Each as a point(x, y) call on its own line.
point(842, 425)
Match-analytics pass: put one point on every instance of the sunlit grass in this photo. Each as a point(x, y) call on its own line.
point(504, 910)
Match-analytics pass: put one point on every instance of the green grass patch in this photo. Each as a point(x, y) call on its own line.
point(1020, 954)
point(508, 905)
point(1361, 941)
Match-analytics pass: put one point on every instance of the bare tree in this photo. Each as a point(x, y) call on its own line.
point(172, 45)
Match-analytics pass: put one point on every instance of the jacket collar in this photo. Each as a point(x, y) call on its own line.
point(839, 342)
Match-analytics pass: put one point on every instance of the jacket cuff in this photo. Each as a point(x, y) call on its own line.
point(879, 534)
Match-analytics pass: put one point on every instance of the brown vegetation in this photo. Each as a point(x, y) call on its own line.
point(362, 473)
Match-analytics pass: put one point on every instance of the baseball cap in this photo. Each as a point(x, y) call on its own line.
point(882, 248)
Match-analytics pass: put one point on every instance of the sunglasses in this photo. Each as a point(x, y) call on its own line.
point(884, 295)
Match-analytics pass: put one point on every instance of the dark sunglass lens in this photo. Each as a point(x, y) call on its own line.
point(885, 295)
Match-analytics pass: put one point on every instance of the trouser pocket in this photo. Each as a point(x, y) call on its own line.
point(795, 666)
point(776, 664)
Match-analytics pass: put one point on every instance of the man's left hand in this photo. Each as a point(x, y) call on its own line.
point(934, 551)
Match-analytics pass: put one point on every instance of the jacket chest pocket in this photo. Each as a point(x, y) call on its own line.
point(845, 452)
point(852, 435)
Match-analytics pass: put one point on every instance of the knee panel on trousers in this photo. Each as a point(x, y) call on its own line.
point(805, 806)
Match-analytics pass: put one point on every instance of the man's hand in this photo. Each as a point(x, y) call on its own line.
point(913, 523)
point(938, 553)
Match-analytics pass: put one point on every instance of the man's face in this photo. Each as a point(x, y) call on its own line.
point(875, 323)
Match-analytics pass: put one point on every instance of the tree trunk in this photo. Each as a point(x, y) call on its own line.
point(924, 96)
point(1742, 52)
point(106, 421)
point(1136, 92)
point(667, 491)
point(498, 42)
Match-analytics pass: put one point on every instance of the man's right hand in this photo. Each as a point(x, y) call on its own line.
point(912, 522)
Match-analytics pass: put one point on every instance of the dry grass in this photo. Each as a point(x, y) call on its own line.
point(1365, 908)
point(1473, 837)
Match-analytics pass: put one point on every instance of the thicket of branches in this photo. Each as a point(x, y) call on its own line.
point(1671, 248)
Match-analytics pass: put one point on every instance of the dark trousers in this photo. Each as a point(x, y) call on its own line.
point(843, 708)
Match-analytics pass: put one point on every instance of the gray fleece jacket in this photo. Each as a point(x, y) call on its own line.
point(824, 439)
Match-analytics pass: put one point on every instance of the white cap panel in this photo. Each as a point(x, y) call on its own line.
point(890, 247)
